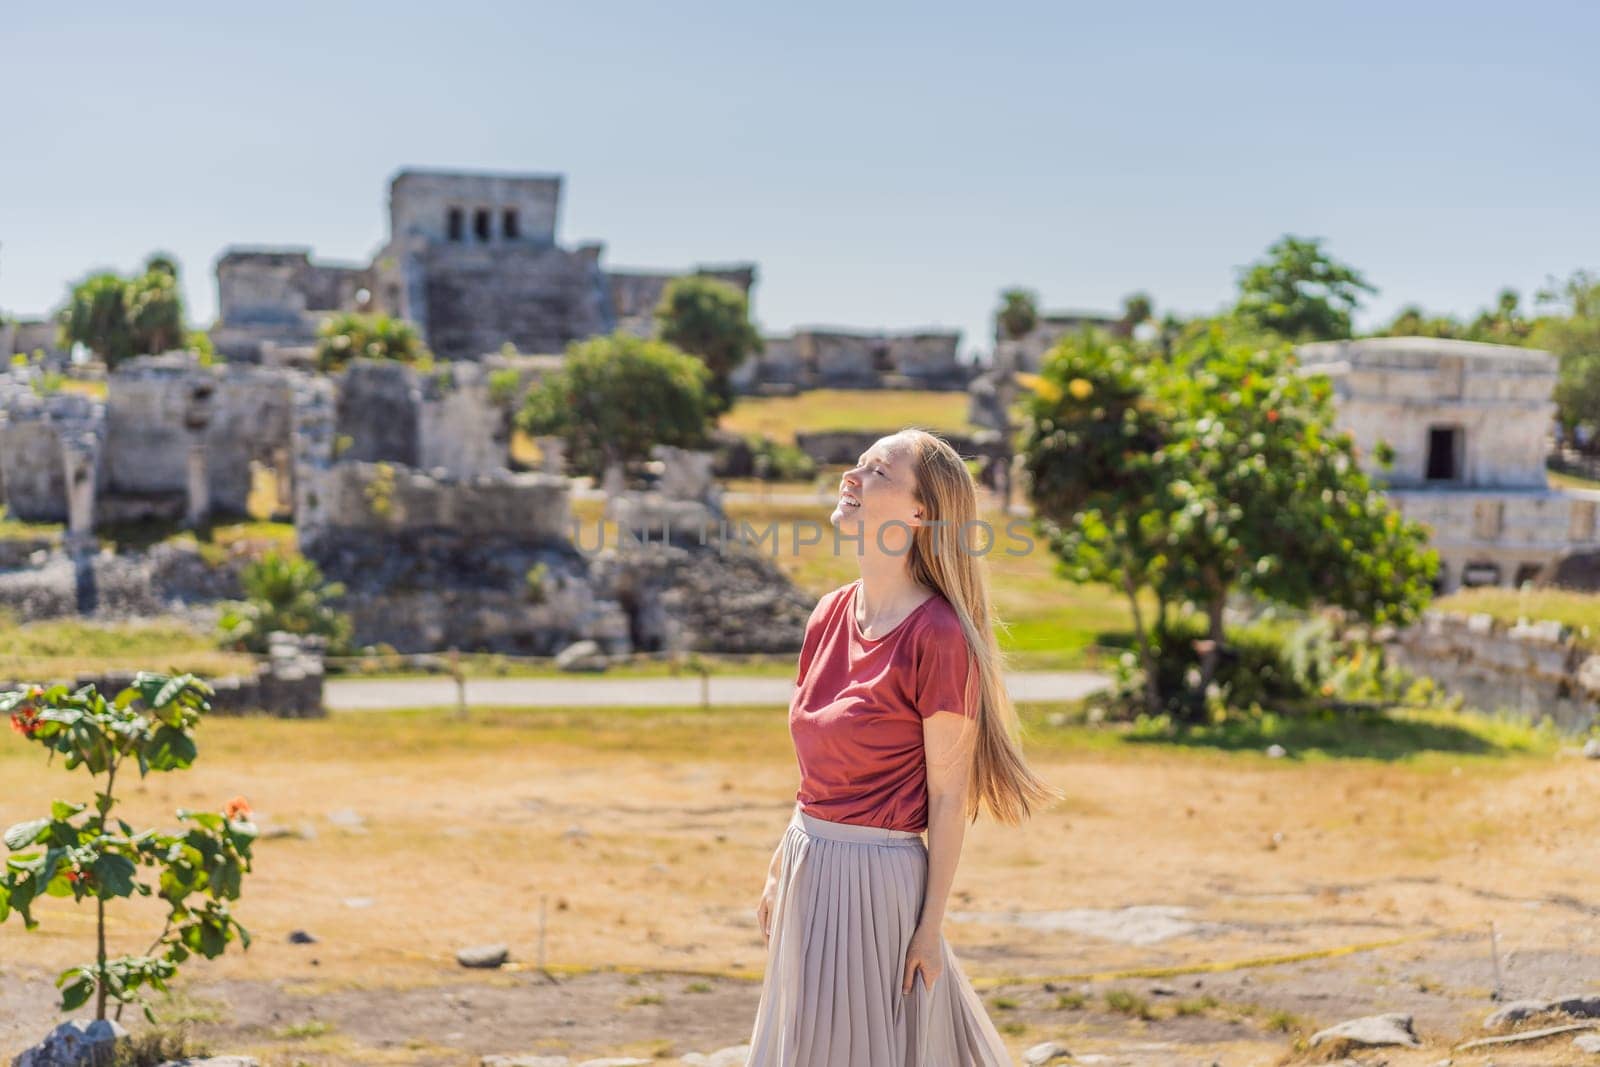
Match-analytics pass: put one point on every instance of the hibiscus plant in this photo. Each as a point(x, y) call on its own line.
point(81, 851)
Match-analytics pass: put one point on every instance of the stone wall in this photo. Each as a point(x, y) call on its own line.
point(378, 499)
point(635, 294)
point(538, 298)
point(27, 336)
point(150, 403)
point(287, 685)
point(279, 295)
point(1501, 537)
point(1534, 669)
point(848, 359)
point(379, 413)
point(32, 474)
point(836, 447)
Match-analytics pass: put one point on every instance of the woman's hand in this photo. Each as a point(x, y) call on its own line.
point(769, 896)
point(923, 953)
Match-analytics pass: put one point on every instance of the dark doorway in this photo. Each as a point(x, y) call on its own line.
point(1444, 453)
point(480, 224)
point(510, 226)
point(455, 224)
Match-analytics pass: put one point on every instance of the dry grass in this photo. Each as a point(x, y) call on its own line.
point(57, 649)
point(778, 417)
point(645, 833)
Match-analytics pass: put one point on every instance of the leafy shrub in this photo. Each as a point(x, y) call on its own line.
point(81, 852)
point(285, 593)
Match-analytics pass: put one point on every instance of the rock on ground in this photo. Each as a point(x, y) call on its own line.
point(1039, 1055)
point(69, 1045)
point(1393, 1028)
point(483, 956)
point(1579, 1006)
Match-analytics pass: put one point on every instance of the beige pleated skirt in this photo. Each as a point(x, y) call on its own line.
point(848, 901)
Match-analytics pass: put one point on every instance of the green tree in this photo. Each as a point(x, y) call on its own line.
point(350, 335)
point(710, 319)
point(1018, 313)
point(1300, 293)
point(614, 397)
point(118, 318)
point(1572, 334)
point(1412, 321)
point(288, 593)
point(1137, 309)
point(1216, 472)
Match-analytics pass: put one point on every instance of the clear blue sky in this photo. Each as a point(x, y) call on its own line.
point(885, 164)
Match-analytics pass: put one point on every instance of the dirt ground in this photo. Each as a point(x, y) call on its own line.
point(1181, 906)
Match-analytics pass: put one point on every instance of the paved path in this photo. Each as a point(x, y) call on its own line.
point(377, 694)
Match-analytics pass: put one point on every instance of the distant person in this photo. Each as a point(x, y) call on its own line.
point(901, 725)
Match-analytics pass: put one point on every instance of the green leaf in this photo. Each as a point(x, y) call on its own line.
point(61, 809)
point(114, 875)
point(211, 820)
point(27, 833)
point(76, 993)
point(170, 749)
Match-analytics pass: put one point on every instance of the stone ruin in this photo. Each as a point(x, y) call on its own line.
point(1026, 353)
point(399, 484)
point(842, 359)
point(1468, 424)
point(471, 260)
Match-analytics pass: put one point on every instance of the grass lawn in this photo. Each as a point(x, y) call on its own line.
point(778, 417)
point(62, 648)
point(1581, 611)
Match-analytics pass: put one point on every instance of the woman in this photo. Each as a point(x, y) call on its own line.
point(901, 724)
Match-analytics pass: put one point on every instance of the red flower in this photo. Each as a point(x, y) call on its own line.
point(237, 808)
point(1272, 416)
point(25, 720)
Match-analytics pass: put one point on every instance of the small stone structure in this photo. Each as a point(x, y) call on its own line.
point(1468, 424)
point(27, 337)
point(843, 359)
point(471, 260)
point(1027, 353)
point(1536, 669)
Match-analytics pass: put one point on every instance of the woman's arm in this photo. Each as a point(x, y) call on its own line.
point(949, 764)
point(949, 741)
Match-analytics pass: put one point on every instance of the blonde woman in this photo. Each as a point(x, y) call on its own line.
point(901, 726)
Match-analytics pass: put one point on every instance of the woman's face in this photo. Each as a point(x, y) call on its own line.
point(878, 491)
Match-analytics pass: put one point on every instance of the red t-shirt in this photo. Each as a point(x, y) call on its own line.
point(857, 711)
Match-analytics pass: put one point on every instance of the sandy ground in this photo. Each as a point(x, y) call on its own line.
point(1243, 902)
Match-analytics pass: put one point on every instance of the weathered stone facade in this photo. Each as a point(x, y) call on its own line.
point(1535, 669)
point(1468, 424)
point(398, 483)
point(842, 359)
point(471, 259)
point(28, 337)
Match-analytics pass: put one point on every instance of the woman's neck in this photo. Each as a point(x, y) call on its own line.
point(887, 590)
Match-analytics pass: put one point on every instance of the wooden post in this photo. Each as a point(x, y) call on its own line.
point(461, 683)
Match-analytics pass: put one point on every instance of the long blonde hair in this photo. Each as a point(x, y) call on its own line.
point(941, 557)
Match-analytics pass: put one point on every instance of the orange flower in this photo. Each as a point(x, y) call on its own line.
point(1272, 416)
point(237, 808)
